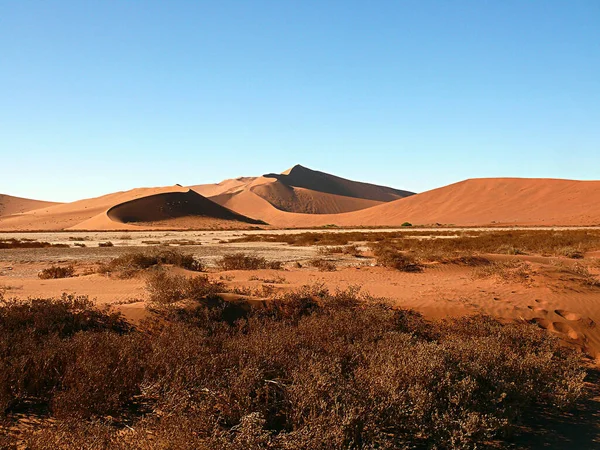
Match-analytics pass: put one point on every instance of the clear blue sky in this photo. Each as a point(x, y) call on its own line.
point(98, 96)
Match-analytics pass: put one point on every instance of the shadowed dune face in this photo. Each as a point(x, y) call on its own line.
point(300, 200)
point(17, 205)
point(302, 177)
point(172, 205)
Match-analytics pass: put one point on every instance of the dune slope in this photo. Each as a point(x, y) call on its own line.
point(510, 201)
point(17, 205)
point(172, 205)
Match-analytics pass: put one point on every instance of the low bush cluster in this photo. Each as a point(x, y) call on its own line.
point(130, 264)
point(56, 272)
point(27, 243)
point(387, 256)
point(165, 288)
point(312, 369)
point(323, 265)
point(242, 261)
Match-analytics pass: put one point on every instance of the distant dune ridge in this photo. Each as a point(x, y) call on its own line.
point(17, 205)
point(301, 197)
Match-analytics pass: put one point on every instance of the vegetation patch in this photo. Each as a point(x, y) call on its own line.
point(312, 369)
point(242, 261)
point(131, 263)
point(57, 272)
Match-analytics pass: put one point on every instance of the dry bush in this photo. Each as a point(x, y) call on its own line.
point(351, 250)
point(103, 373)
point(323, 265)
point(35, 344)
point(106, 244)
point(387, 256)
point(165, 288)
point(316, 370)
point(570, 243)
point(242, 261)
point(570, 252)
point(27, 243)
point(130, 264)
point(57, 272)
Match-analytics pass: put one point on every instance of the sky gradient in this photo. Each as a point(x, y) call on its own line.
point(99, 96)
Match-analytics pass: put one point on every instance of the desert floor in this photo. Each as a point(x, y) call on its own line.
point(545, 290)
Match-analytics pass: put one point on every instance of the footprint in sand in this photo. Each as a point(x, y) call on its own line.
point(538, 310)
point(574, 317)
point(565, 328)
point(568, 315)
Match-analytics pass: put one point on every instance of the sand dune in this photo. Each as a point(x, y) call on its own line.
point(172, 206)
point(509, 201)
point(17, 205)
point(506, 201)
point(302, 190)
point(488, 201)
point(301, 200)
point(302, 177)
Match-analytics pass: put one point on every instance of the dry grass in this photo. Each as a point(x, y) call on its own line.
point(313, 369)
point(242, 261)
point(57, 272)
point(510, 270)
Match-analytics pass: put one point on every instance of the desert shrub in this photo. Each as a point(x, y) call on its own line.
point(57, 272)
point(392, 258)
point(106, 244)
point(406, 224)
point(312, 369)
point(544, 242)
point(104, 371)
point(323, 265)
point(34, 343)
point(570, 252)
point(351, 250)
point(27, 243)
point(242, 261)
point(129, 264)
point(165, 288)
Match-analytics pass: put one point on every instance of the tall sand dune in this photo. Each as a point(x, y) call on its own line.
point(301, 200)
point(508, 201)
point(302, 177)
point(17, 205)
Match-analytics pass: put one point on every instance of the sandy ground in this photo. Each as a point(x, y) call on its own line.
point(550, 296)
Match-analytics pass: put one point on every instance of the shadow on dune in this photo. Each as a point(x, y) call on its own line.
point(173, 205)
